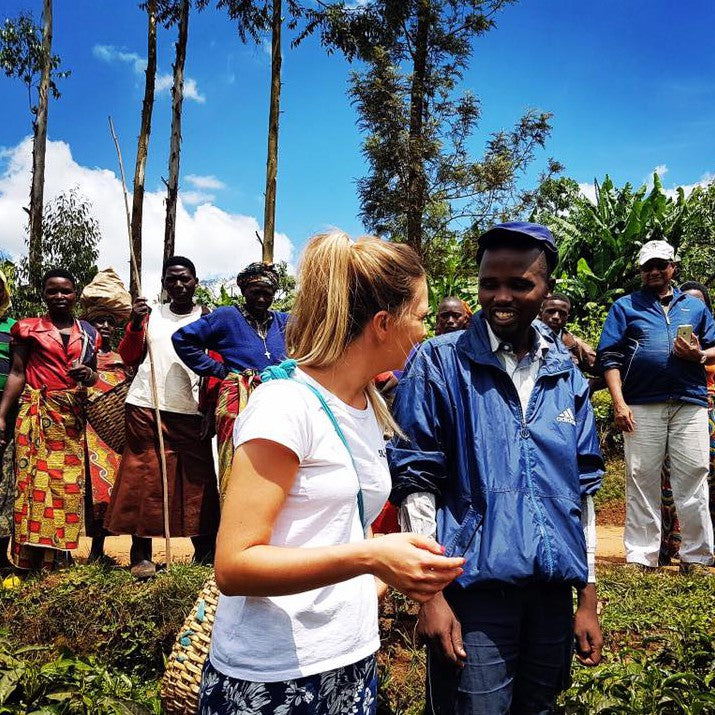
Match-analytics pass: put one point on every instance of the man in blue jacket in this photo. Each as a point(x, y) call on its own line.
point(658, 384)
point(500, 449)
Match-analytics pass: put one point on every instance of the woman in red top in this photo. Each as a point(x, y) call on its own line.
point(54, 358)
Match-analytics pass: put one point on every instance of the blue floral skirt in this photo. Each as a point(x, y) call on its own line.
point(351, 690)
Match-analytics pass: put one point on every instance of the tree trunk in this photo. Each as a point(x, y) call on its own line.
point(143, 149)
point(177, 98)
point(39, 146)
point(269, 216)
point(416, 181)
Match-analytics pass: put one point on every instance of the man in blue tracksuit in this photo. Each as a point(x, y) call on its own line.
point(653, 350)
point(499, 458)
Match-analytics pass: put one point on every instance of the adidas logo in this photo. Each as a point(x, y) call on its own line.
point(567, 417)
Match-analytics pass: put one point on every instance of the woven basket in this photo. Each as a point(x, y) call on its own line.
point(106, 415)
point(182, 678)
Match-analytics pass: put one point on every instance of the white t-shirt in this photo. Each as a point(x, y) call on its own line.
point(269, 639)
point(177, 386)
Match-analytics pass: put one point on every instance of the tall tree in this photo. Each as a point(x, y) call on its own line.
point(26, 53)
point(253, 19)
point(269, 214)
point(177, 99)
point(70, 239)
point(423, 183)
point(39, 146)
point(143, 147)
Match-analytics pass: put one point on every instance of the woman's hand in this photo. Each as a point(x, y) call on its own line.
point(413, 564)
point(140, 310)
point(81, 373)
point(689, 351)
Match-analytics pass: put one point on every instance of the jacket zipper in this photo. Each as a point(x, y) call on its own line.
point(540, 520)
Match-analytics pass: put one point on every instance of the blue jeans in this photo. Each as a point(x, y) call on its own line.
point(519, 643)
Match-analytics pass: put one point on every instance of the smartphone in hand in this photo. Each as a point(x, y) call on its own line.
point(686, 332)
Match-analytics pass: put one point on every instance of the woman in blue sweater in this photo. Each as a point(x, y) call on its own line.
point(248, 337)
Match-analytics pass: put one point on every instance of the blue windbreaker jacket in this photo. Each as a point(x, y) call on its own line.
point(508, 485)
point(638, 339)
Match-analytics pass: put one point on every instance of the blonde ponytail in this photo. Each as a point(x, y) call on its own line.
point(342, 284)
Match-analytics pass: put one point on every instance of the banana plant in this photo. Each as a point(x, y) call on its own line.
point(599, 242)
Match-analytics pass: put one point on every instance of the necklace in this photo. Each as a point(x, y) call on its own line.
point(261, 328)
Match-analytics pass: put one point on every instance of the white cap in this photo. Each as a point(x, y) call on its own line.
point(656, 249)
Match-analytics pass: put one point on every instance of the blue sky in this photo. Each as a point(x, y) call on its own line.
point(631, 85)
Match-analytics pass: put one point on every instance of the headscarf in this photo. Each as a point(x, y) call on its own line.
point(4, 294)
point(258, 272)
point(106, 295)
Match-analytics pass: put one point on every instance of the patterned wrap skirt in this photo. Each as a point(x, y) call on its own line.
point(232, 398)
point(137, 501)
point(350, 690)
point(49, 473)
point(102, 460)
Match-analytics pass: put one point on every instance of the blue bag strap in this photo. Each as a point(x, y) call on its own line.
point(286, 371)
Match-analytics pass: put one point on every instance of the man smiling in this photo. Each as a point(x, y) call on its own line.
point(657, 381)
point(500, 451)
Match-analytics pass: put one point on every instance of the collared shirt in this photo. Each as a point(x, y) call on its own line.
point(48, 359)
point(522, 372)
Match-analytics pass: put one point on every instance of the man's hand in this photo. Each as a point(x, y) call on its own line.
point(140, 309)
point(438, 626)
point(587, 631)
point(624, 417)
point(689, 351)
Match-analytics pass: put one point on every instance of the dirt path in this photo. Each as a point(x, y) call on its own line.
point(610, 547)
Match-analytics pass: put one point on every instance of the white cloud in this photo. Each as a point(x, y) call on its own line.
point(588, 190)
point(196, 197)
point(205, 182)
point(219, 242)
point(191, 91)
point(688, 188)
point(163, 81)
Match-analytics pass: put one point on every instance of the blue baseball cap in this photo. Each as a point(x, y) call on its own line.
point(532, 233)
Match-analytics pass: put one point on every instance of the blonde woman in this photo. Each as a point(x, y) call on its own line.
point(296, 627)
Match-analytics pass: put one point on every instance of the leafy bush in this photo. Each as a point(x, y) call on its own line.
point(69, 684)
point(660, 648)
point(95, 612)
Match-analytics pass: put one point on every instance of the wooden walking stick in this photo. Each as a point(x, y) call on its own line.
point(154, 390)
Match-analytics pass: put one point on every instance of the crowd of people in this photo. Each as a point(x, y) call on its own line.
point(483, 438)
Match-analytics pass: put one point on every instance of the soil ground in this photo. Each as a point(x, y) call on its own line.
point(610, 547)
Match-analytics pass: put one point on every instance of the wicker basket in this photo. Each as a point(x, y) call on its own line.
point(105, 413)
point(182, 678)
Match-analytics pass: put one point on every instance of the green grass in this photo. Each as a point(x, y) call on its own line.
point(93, 641)
point(613, 488)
